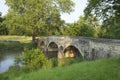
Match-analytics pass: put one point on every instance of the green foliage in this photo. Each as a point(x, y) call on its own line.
point(88, 26)
point(69, 30)
point(69, 61)
point(105, 69)
point(10, 46)
point(13, 71)
point(33, 59)
point(16, 70)
point(54, 62)
point(17, 43)
point(109, 12)
point(83, 27)
point(3, 28)
point(15, 46)
point(22, 39)
point(36, 17)
point(112, 29)
point(103, 8)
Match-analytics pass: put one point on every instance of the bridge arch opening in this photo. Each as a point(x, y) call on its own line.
point(72, 52)
point(52, 50)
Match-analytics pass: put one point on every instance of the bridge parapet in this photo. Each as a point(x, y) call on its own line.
point(89, 48)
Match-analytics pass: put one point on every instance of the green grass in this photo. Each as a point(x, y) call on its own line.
point(105, 69)
point(16, 38)
point(14, 42)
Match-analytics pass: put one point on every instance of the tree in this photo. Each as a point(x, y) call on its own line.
point(83, 27)
point(36, 17)
point(69, 29)
point(88, 26)
point(3, 28)
point(109, 12)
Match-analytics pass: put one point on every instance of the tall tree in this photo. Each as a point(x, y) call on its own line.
point(36, 16)
point(88, 26)
point(3, 28)
point(109, 12)
point(83, 27)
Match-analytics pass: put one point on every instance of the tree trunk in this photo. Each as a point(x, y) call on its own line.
point(34, 41)
point(33, 38)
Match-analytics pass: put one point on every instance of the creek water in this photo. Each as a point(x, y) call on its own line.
point(7, 59)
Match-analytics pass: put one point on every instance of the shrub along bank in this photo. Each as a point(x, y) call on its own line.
point(38, 67)
point(32, 60)
point(105, 69)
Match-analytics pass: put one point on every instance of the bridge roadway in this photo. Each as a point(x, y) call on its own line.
point(75, 46)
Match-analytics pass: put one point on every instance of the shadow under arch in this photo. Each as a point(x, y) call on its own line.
point(72, 52)
point(52, 50)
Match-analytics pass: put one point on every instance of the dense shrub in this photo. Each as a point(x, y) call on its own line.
point(33, 59)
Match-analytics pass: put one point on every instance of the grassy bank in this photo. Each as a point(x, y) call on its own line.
point(22, 39)
point(105, 69)
point(14, 42)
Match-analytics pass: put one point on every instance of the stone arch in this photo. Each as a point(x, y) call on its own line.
point(72, 52)
point(52, 42)
point(52, 50)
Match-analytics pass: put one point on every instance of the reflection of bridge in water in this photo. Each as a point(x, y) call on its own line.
point(69, 46)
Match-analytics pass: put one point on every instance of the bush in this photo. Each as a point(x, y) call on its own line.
point(33, 59)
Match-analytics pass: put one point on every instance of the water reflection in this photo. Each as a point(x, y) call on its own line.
point(7, 60)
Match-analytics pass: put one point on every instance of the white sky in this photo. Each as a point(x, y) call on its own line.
point(69, 18)
point(79, 10)
point(3, 7)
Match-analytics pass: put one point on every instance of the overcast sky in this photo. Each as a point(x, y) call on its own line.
point(74, 16)
point(69, 18)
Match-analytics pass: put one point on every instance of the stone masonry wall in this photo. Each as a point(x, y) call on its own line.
point(90, 48)
point(104, 48)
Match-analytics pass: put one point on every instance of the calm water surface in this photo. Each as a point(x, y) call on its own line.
point(7, 60)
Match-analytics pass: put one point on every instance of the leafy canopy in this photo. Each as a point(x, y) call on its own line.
point(109, 12)
point(36, 17)
point(83, 27)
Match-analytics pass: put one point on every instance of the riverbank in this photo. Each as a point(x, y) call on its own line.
point(7, 59)
point(22, 39)
point(14, 43)
point(10, 47)
point(104, 69)
point(14, 46)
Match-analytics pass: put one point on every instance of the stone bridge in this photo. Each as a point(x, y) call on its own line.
point(76, 46)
